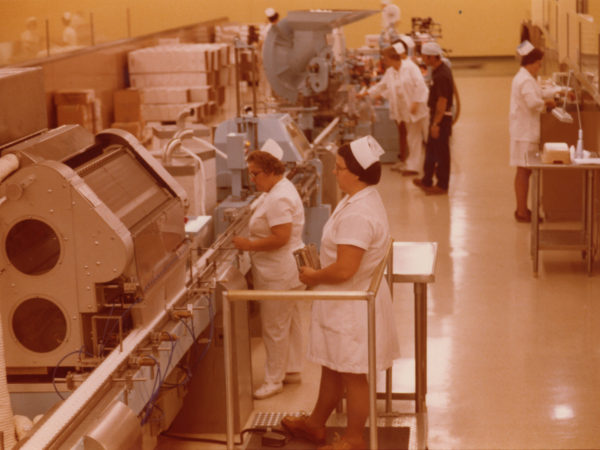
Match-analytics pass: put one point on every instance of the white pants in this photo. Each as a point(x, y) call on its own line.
point(416, 134)
point(282, 336)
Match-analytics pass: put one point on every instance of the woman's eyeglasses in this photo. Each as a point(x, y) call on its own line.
point(255, 173)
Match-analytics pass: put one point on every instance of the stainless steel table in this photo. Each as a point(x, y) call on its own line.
point(566, 239)
point(414, 262)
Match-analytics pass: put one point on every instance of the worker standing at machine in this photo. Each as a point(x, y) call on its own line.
point(526, 105)
point(354, 242)
point(405, 90)
point(437, 150)
point(275, 232)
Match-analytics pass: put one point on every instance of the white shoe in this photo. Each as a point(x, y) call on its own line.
point(268, 390)
point(292, 378)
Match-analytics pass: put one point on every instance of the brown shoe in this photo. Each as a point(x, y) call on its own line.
point(340, 443)
point(297, 427)
point(418, 182)
point(435, 190)
point(410, 173)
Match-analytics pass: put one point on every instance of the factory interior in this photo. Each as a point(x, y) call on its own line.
point(133, 312)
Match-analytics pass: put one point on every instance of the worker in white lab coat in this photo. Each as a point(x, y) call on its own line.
point(275, 232)
point(526, 105)
point(354, 242)
point(403, 86)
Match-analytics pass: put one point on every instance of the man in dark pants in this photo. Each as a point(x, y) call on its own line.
point(437, 151)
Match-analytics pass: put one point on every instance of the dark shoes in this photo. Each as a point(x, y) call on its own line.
point(436, 190)
point(429, 190)
point(409, 173)
point(297, 427)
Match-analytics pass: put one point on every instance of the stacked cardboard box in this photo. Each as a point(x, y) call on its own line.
point(79, 106)
point(165, 74)
point(128, 113)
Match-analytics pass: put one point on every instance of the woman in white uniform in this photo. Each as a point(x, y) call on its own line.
point(403, 86)
point(275, 232)
point(526, 105)
point(354, 242)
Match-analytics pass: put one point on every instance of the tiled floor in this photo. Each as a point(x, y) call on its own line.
point(514, 360)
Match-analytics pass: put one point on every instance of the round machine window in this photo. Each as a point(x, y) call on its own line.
point(32, 247)
point(39, 325)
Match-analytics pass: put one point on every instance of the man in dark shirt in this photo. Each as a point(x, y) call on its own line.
point(437, 151)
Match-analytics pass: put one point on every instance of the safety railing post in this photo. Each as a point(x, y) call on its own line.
point(228, 352)
point(372, 373)
point(368, 296)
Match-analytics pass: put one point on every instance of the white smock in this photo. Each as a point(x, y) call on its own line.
point(401, 88)
point(526, 105)
point(339, 329)
point(391, 88)
point(276, 270)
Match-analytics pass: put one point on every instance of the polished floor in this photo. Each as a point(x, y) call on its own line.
point(514, 360)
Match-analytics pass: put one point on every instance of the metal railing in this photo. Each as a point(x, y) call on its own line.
point(368, 296)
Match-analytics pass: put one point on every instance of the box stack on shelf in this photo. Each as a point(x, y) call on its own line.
point(79, 106)
point(173, 78)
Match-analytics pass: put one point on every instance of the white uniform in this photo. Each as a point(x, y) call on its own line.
point(402, 88)
point(276, 269)
point(338, 335)
point(526, 105)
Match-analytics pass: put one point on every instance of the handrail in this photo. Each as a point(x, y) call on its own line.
point(282, 295)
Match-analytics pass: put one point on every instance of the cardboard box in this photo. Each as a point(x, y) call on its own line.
point(127, 106)
point(168, 113)
point(199, 94)
point(164, 95)
point(74, 96)
point(221, 95)
point(169, 79)
point(76, 114)
point(134, 128)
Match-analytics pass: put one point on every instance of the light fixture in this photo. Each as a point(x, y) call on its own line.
point(563, 116)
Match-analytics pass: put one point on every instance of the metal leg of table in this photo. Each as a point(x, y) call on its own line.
point(589, 216)
point(535, 218)
point(420, 346)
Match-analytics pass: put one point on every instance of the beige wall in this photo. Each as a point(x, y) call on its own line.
point(470, 27)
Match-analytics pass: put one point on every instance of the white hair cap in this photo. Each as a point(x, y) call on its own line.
point(66, 15)
point(431, 49)
point(410, 43)
point(399, 48)
point(270, 12)
point(366, 150)
point(272, 148)
point(524, 48)
point(385, 2)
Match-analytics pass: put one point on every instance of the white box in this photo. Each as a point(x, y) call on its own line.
point(166, 113)
point(186, 79)
point(199, 94)
point(164, 95)
point(170, 58)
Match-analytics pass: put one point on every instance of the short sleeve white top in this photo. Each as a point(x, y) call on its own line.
point(276, 269)
point(338, 336)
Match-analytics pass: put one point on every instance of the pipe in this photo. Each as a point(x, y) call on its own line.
point(8, 164)
point(202, 175)
point(169, 149)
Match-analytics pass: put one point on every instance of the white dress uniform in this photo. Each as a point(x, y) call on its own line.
point(274, 270)
point(338, 334)
point(526, 105)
